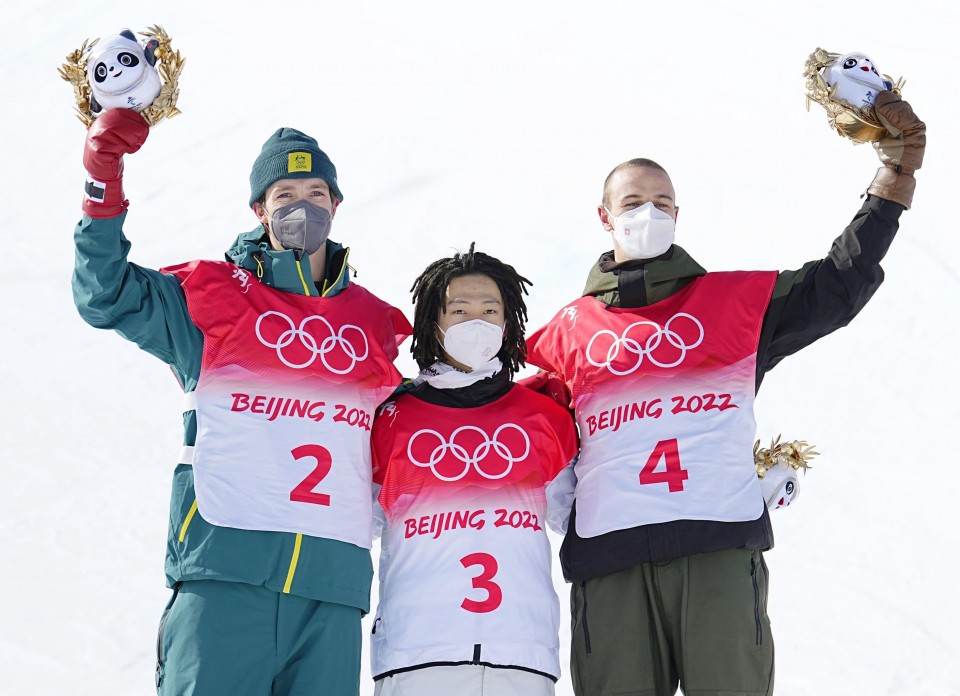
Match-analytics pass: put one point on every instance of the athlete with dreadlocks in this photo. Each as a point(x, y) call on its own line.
point(472, 468)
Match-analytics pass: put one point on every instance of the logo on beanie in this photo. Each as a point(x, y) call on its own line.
point(299, 162)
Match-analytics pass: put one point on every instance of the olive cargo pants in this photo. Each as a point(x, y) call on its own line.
point(698, 622)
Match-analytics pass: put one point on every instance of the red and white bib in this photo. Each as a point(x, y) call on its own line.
point(664, 401)
point(465, 558)
point(285, 400)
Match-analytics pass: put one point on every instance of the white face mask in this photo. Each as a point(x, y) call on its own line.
point(472, 343)
point(644, 232)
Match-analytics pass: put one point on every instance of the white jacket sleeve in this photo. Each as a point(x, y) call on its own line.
point(560, 493)
point(379, 516)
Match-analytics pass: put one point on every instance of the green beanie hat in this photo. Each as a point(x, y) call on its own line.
point(290, 154)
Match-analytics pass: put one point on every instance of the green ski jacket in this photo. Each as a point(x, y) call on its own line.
point(149, 308)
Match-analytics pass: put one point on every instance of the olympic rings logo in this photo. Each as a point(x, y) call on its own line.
point(308, 341)
point(470, 458)
point(649, 346)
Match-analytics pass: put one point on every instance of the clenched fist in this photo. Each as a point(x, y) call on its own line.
point(115, 133)
point(901, 151)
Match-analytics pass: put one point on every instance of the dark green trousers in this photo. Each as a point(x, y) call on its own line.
point(698, 622)
point(236, 639)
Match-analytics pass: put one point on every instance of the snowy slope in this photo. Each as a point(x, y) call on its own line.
point(495, 123)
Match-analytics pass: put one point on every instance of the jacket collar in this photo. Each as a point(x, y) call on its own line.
point(659, 278)
point(473, 395)
point(283, 271)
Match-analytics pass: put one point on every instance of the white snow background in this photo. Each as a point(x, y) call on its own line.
point(492, 122)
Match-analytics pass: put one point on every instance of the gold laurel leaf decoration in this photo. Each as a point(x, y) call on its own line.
point(74, 71)
point(169, 67)
point(817, 89)
point(796, 454)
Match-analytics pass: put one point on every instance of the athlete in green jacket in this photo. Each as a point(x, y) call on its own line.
point(252, 611)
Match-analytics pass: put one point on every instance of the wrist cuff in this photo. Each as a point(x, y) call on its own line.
point(103, 199)
point(893, 186)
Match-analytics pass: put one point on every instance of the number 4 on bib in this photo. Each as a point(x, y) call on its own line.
point(674, 475)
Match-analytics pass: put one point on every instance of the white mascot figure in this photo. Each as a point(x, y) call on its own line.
point(122, 73)
point(780, 485)
point(855, 81)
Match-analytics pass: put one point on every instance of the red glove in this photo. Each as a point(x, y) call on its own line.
point(548, 384)
point(113, 134)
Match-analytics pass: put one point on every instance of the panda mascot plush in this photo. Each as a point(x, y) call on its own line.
point(122, 73)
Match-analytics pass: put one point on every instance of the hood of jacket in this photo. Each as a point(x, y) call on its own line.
point(639, 283)
point(282, 270)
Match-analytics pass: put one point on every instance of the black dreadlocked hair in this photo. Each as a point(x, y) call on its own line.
point(429, 292)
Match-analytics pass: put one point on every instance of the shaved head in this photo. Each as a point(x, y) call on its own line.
point(638, 163)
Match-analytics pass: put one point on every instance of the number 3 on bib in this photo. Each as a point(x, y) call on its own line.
point(674, 475)
point(483, 582)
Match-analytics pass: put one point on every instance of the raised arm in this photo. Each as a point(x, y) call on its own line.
point(142, 305)
point(824, 295)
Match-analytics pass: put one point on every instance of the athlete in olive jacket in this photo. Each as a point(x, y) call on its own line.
point(683, 601)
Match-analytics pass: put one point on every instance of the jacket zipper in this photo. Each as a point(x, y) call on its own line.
point(756, 598)
point(583, 618)
point(298, 539)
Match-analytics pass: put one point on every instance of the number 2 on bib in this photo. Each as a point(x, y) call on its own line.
point(483, 582)
point(674, 475)
point(304, 492)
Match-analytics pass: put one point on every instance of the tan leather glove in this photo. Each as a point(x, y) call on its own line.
point(901, 151)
